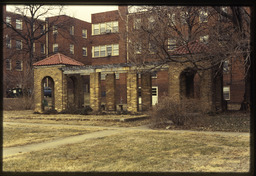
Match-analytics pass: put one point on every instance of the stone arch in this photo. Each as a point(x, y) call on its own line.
point(47, 93)
point(187, 83)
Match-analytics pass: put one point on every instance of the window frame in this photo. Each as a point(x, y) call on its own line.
point(84, 33)
point(8, 42)
point(8, 20)
point(8, 64)
point(19, 43)
point(84, 49)
point(55, 45)
point(20, 67)
point(98, 49)
point(204, 39)
point(203, 16)
point(42, 47)
point(18, 24)
point(72, 30)
point(72, 48)
point(55, 30)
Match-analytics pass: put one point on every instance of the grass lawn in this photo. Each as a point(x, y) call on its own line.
point(16, 135)
point(153, 151)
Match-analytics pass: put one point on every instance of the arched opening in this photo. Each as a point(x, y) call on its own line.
point(188, 83)
point(71, 91)
point(48, 100)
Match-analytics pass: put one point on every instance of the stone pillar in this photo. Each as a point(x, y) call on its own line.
point(110, 92)
point(132, 92)
point(174, 82)
point(95, 91)
point(206, 91)
point(218, 92)
point(146, 91)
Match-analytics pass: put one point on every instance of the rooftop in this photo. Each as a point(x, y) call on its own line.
point(58, 59)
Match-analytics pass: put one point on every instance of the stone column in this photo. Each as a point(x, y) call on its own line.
point(95, 91)
point(132, 92)
point(174, 82)
point(206, 91)
point(110, 92)
point(146, 91)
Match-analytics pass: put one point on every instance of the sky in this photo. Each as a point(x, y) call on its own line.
point(82, 12)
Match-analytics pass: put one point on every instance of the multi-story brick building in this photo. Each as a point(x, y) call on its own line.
point(105, 41)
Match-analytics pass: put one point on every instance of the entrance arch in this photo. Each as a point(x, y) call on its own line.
point(47, 94)
point(187, 83)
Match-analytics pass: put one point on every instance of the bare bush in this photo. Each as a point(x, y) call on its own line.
point(168, 111)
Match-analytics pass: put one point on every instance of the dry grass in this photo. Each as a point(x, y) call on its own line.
point(17, 135)
point(153, 151)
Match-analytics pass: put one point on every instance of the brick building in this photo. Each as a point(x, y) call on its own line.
point(104, 41)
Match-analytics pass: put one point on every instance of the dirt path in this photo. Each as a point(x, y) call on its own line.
point(108, 131)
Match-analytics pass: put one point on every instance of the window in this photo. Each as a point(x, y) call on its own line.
point(72, 30)
point(226, 66)
point(8, 20)
point(34, 47)
point(102, 50)
point(115, 26)
point(109, 50)
point(115, 49)
point(103, 28)
point(96, 29)
point(42, 29)
point(221, 17)
point(108, 27)
point(105, 50)
point(71, 48)
point(19, 65)
point(55, 47)
point(137, 23)
point(42, 48)
point(84, 51)
point(171, 44)
point(18, 24)
point(55, 30)
point(96, 51)
point(226, 93)
point(18, 44)
point(8, 64)
point(183, 17)
point(203, 15)
point(204, 39)
point(171, 19)
point(137, 48)
point(151, 22)
point(84, 33)
point(8, 42)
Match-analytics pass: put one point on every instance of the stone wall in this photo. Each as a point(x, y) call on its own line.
point(132, 92)
point(95, 91)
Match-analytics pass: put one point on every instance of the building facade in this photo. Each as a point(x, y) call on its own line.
point(111, 38)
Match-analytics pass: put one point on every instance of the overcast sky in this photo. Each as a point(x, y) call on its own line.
point(82, 12)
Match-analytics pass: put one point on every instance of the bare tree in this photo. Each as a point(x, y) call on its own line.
point(157, 32)
point(33, 30)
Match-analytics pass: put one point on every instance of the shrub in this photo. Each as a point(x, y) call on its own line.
point(169, 111)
